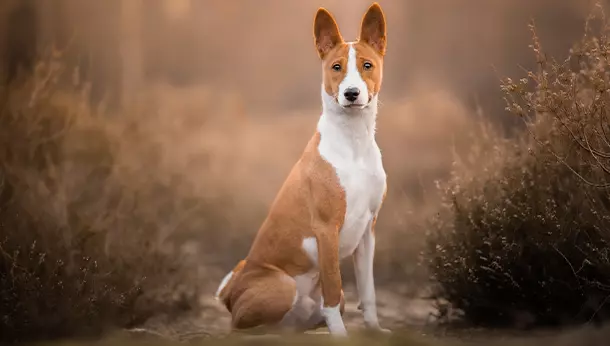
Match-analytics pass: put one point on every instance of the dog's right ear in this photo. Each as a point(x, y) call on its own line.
point(326, 32)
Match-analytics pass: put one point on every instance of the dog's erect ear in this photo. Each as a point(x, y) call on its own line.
point(373, 28)
point(326, 32)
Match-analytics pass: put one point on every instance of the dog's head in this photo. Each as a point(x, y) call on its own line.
point(352, 71)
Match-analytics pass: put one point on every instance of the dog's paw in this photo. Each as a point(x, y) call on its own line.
point(383, 331)
point(377, 329)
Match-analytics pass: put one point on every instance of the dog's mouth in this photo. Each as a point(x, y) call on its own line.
point(354, 105)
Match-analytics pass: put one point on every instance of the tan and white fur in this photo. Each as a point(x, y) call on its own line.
point(327, 208)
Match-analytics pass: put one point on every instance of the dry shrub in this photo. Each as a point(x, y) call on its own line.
point(88, 218)
point(523, 237)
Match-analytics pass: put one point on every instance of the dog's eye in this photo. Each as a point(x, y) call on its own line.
point(337, 67)
point(367, 65)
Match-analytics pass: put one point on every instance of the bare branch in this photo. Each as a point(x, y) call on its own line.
point(562, 161)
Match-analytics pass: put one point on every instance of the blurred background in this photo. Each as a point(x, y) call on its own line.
point(261, 52)
point(208, 104)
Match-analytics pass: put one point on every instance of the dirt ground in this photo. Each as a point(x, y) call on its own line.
point(408, 314)
point(210, 328)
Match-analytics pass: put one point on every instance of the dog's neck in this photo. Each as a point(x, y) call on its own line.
point(351, 126)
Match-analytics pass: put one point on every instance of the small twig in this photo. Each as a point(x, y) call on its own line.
point(194, 334)
point(599, 308)
point(149, 331)
point(569, 264)
point(585, 180)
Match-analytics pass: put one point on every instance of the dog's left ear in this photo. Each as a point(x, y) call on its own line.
point(373, 28)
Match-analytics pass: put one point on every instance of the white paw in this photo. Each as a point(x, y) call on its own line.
point(339, 333)
point(383, 331)
point(334, 321)
point(376, 328)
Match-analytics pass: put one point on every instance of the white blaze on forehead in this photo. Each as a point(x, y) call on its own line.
point(353, 79)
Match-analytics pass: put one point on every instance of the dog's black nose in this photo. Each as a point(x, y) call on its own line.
point(351, 94)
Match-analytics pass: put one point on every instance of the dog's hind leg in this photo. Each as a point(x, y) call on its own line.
point(266, 300)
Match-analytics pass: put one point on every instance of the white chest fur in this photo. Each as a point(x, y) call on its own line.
point(347, 142)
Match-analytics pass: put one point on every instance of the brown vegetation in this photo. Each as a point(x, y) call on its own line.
point(524, 239)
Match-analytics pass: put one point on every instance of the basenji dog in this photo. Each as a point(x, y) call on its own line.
point(327, 208)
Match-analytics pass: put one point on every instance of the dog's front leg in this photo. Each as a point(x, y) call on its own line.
point(330, 277)
point(363, 267)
